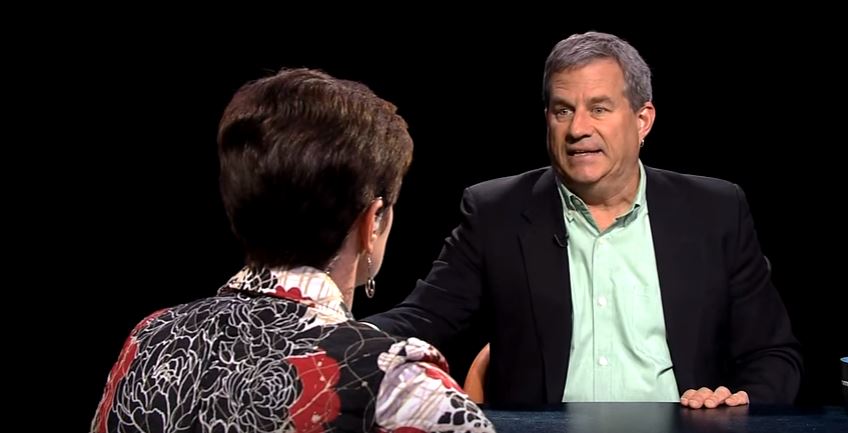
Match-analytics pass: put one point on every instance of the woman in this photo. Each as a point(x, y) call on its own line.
point(310, 168)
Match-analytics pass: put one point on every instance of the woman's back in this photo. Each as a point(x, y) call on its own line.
point(277, 351)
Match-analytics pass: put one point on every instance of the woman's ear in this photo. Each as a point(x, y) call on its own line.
point(370, 224)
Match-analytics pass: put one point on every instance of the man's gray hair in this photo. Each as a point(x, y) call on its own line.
point(580, 49)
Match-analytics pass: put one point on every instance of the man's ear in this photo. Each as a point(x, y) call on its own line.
point(646, 116)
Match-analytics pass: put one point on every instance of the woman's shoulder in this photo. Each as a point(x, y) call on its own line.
point(392, 349)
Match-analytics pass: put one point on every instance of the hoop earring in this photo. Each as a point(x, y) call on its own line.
point(370, 285)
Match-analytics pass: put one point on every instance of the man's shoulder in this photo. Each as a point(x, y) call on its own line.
point(510, 188)
point(528, 178)
point(688, 185)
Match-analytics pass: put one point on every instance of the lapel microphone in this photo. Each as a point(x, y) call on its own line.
point(561, 239)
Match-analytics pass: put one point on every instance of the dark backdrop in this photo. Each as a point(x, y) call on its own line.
point(763, 108)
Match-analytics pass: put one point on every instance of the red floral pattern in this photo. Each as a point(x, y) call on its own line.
point(119, 370)
point(278, 351)
point(318, 402)
point(440, 375)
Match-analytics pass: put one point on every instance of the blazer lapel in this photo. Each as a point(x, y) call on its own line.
point(677, 256)
point(546, 263)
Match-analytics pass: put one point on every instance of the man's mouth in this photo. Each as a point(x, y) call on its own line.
point(584, 152)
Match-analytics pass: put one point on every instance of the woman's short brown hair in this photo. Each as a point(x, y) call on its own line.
point(301, 155)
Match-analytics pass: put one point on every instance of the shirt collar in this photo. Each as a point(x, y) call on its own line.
point(304, 284)
point(574, 203)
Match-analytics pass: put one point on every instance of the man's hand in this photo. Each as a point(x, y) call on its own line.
point(705, 397)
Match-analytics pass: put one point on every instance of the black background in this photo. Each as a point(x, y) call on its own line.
point(138, 198)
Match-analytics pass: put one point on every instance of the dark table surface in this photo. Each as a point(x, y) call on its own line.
point(668, 417)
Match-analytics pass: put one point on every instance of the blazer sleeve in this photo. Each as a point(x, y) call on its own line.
point(444, 302)
point(765, 354)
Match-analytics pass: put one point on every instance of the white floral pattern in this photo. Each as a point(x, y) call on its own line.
point(278, 351)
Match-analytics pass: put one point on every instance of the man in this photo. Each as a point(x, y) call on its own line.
point(604, 280)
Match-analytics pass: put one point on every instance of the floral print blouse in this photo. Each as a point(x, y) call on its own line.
point(278, 351)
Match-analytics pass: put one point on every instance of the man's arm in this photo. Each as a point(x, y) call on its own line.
point(765, 353)
point(765, 356)
point(443, 303)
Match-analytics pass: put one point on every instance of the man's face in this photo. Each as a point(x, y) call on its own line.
point(593, 132)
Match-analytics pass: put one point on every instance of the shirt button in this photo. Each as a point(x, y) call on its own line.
point(602, 301)
point(603, 361)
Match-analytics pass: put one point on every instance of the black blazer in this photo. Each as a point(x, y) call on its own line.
point(725, 322)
